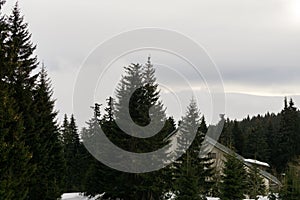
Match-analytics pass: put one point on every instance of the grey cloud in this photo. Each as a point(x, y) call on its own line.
point(254, 43)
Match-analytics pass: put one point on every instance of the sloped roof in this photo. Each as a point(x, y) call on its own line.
point(209, 144)
point(257, 162)
point(241, 158)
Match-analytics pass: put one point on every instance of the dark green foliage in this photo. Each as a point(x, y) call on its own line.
point(49, 173)
point(287, 138)
point(15, 170)
point(20, 52)
point(73, 154)
point(203, 127)
point(234, 178)
point(138, 85)
point(98, 177)
point(256, 145)
point(31, 150)
point(238, 138)
point(193, 174)
point(271, 138)
point(291, 184)
point(4, 31)
point(226, 137)
point(141, 79)
point(255, 183)
point(34, 159)
point(20, 63)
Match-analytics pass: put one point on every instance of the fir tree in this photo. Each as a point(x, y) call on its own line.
point(226, 137)
point(203, 127)
point(288, 137)
point(233, 180)
point(193, 173)
point(5, 70)
point(255, 183)
point(72, 153)
point(50, 170)
point(109, 115)
point(15, 170)
point(291, 184)
point(238, 138)
point(99, 178)
point(20, 65)
point(20, 55)
point(256, 145)
point(138, 86)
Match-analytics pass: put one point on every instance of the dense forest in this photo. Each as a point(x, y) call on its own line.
point(41, 159)
point(272, 138)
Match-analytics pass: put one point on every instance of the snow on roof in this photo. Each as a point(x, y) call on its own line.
point(257, 162)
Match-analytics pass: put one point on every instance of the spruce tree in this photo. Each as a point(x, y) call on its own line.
point(226, 137)
point(5, 70)
point(193, 174)
point(15, 170)
point(138, 85)
point(234, 178)
point(67, 146)
point(256, 146)
point(72, 153)
point(99, 178)
point(255, 183)
point(288, 137)
point(65, 132)
point(238, 137)
point(50, 170)
point(203, 127)
point(291, 184)
point(21, 62)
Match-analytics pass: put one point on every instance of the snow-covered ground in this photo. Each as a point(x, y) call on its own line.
point(75, 196)
point(79, 196)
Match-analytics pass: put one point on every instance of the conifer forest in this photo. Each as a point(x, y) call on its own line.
point(43, 157)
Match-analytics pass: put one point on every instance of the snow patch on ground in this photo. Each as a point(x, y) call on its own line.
point(80, 196)
point(76, 196)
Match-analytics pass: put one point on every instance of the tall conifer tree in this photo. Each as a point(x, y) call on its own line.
point(21, 63)
point(138, 84)
point(50, 170)
point(15, 170)
point(234, 179)
point(72, 153)
point(192, 172)
point(287, 138)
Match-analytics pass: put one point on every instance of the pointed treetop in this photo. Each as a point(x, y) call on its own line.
point(192, 114)
point(43, 73)
point(285, 102)
point(16, 13)
point(203, 127)
point(291, 103)
point(149, 72)
point(109, 115)
point(66, 121)
point(96, 109)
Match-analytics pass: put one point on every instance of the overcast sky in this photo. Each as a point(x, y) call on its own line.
point(254, 43)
